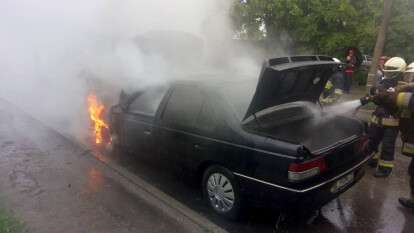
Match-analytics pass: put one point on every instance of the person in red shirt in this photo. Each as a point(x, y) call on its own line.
point(349, 70)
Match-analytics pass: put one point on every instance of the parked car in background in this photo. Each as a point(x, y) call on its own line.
point(366, 61)
point(247, 140)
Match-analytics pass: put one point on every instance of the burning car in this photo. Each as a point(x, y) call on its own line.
point(262, 141)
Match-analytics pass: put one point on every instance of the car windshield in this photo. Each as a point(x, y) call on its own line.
point(239, 95)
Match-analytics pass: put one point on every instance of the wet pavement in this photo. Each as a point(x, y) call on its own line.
point(370, 206)
point(52, 185)
point(56, 186)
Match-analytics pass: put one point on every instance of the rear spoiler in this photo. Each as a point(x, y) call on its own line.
point(300, 58)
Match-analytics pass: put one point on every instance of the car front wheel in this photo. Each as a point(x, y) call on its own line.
point(221, 191)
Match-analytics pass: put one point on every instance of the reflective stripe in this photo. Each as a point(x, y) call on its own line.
point(383, 163)
point(390, 122)
point(403, 99)
point(376, 156)
point(327, 100)
point(339, 91)
point(329, 85)
point(408, 148)
point(385, 121)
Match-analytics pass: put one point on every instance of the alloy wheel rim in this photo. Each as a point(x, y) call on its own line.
point(220, 192)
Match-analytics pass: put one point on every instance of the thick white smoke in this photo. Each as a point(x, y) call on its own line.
point(50, 49)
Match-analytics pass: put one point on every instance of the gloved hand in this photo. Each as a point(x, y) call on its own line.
point(366, 99)
point(387, 99)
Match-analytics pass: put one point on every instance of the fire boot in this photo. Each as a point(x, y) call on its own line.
point(407, 202)
point(385, 163)
point(382, 171)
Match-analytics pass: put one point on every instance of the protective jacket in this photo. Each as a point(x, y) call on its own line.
point(334, 88)
point(384, 116)
point(405, 101)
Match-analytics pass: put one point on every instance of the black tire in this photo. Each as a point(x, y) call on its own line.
point(223, 205)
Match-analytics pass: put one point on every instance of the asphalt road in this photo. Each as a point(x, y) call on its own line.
point(370, 206)
point(55, 185)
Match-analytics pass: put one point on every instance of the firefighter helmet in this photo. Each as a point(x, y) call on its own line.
point(394, 68)
point(409, 73)
point(395, 64)
point(410, 68)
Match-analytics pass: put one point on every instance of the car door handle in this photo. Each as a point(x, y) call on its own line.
point(197, 146)
point(147, 132)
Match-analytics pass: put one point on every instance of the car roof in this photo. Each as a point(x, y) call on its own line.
point(223, 79)
point(214, 81)
point(206, 82)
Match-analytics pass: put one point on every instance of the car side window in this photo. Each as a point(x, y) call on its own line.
point(207, 119)
point(183, 107)
point(147, 102)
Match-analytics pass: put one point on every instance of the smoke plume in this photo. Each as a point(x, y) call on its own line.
point(54, 52)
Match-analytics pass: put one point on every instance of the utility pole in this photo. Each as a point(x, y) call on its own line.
point(379, 46)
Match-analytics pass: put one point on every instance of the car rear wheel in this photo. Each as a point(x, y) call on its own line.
point(222, 192)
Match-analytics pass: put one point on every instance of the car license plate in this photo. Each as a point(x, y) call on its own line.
point(342, 183)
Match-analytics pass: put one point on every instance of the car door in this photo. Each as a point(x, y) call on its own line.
point(177, 134)
point(138, 122)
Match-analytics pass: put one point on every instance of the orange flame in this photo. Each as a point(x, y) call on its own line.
point(96, 108)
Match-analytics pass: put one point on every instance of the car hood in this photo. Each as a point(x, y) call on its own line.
point(290, 82)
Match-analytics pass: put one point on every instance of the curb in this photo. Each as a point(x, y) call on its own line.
point(191, 220)
point(167, 204)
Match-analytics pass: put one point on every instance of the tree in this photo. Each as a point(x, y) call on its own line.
point(400, 37)
point(322, 26)
point(379, 46)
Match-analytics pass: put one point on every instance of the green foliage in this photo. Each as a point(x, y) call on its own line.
point(400, 40)
point(360, 77)
point(325, 26)
point(8, 224)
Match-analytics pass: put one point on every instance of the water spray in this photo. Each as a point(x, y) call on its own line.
point(343, 108)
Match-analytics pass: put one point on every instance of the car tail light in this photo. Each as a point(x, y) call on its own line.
point(305, 170)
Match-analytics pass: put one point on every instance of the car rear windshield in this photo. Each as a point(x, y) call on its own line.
point(239, 95)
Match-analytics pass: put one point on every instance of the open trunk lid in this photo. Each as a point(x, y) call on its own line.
point(289, 79)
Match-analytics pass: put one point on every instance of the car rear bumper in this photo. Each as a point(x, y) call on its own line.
point(258, 192)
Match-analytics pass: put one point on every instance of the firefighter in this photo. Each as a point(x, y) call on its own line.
point(384, 121)
point(403, 98)
point(406, 102)
point(380, 71)
point(334, 88)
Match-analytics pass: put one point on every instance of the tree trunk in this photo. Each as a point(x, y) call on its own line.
point(379, 46)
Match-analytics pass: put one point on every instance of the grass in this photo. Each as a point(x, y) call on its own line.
point(8, 223)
